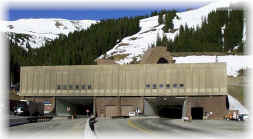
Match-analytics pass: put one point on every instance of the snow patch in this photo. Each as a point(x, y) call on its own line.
point(42, 30)
point(150, 28)
point(234, 62)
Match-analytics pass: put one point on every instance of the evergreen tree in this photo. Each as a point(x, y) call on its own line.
point(160, 19)
point(158, 40)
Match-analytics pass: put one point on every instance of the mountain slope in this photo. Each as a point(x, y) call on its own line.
point(137, 44)
point(38, 31)
point(35, 32)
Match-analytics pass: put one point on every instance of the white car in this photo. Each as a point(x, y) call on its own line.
point(243, 117)
point(19, 111)
point(246, 117)
point(131, 114)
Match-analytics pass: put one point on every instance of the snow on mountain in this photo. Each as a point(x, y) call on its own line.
point(137, 44)
point(42, 30)
point(38, 31)
point(134, 46)
point(234, 63)
point(194, 18)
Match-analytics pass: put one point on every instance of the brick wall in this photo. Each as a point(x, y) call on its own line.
point(213, 104)
point(102, 102)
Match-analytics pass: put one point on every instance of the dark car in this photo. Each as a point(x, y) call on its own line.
point(242, 117)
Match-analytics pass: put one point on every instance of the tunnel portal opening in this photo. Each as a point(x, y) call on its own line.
point(197, 113)
point(171, 111)
point(78, 106)
point(166, 107)
point(162, 61)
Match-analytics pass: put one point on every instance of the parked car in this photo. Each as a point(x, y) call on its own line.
point(28, 108)
point(232, 115)
point(21, 108)
point(243, 117)
point(131, 114)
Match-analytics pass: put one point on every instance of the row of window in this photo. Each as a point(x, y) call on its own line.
point(71, 87)
point(154, 86)
point(148, 86)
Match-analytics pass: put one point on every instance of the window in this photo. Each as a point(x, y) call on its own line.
point(167, 85)
point(64, 87)
point(161, 85)
point(70, 87)
point(77, 86)
point(83, 87)
point(58, 87)
point(181, 85)
point(147, 85)
point(154, 86)
point(175, 85)
point(89, 86)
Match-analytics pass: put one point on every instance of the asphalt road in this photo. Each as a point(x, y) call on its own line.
point(168, 128)
point(131, 128)
point(64, 128)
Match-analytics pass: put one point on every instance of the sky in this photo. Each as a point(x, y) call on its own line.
point(92, 12)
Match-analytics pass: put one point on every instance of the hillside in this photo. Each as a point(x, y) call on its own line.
point(135, 46)
point(66, 42)
point(35, 32)
point(72, 48)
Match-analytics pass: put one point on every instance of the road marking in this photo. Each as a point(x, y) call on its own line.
point(131, 124)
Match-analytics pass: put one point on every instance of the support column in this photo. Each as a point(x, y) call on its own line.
point(187, 109)
point(94, 106)
point(120, 105)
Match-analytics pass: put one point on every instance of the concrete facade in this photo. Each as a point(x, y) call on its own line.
point(116, 90)
point(125, 80)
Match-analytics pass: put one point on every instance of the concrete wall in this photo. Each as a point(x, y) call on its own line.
point(149, 109)
point(125, 80)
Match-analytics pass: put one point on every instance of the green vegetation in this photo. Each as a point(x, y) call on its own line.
point(208, 37)
point(78, 48)
point(165, 17)
point(83, 47)
point(169, 16)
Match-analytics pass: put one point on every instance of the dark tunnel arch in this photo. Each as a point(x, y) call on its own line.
point(162, 61)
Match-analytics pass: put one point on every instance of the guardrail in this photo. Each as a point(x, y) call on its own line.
point(30, 119)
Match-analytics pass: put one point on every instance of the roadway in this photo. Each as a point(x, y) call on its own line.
point(130, 128)
point(58, 127)
point(174, 128)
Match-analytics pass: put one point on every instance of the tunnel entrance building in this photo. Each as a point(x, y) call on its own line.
point(115, 90)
